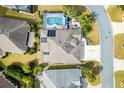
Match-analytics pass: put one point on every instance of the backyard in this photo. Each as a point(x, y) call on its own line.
point(82, 14)
point(43, 8)
point(119, 79)
point(24, 59)
point(119, 46)
point(17, 15)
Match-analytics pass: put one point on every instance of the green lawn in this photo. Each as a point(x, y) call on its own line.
point(97, 80)
point(43, 8)
point(24, 59)
point(94, 34)
point(11, 13)
point(119, 46)
point(115, 13)
point(119, 78)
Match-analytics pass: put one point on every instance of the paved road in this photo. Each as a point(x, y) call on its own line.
point(107, 77)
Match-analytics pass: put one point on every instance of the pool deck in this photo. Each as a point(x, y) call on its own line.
point(49, 26)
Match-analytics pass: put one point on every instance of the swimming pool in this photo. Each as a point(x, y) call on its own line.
point(55, 20)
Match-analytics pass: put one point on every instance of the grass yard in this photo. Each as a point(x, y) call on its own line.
point(115, 13)
point(17, 15)
point(94, 34)
point(24, 59)
point(93, 68)
point(119, 46)
point(119, 79)
point(43, 8)
point(97, 81)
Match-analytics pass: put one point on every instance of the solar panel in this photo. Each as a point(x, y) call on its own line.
point(43, 40)
point(51, 33)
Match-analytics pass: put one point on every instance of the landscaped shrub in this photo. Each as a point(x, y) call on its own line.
point(96, 70)
point(13, 80)
point(121, 6)
point(40, 22)
point(35, 67)
point(73, 10)
point(2, 66)
point(26, 69)
point(28, 80)
point(86, 22)
point(63, 66)
point(33, 28)
point(24, 74)
point(31, 50)
point(36, 83)
point(88, 74)
point(76, 12)
point(89, 65)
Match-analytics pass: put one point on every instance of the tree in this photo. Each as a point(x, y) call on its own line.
point(88, 74)
point(2, 66)
point(40, 21)
point(36, 83)
point(28, 81)
point(37, 70)
point(86, 22)
point(35, 67)
point(24, 74)
point(122, 7)
point(96, 70)
point(31, 50)
point(26, 69)
point(72, 11)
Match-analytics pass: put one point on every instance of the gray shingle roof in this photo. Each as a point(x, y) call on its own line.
point(4, 83)
point(62, 78)
point(16, 31)
point(2, 53)
point(26, 8)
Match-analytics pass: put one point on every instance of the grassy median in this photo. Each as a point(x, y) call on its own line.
point(119, 79)
point(115, 13)
point(119, 46)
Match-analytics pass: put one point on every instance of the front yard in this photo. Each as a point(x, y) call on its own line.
point(119, 79)
point(94, 34)
point(91, 71)
point(119, 46)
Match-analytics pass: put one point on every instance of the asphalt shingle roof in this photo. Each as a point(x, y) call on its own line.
point(4, 83)
point(62, 78)
point(16, 31)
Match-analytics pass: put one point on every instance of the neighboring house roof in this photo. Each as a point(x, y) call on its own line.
point(2, 53)
point(26, 8)
point(4, 83)
point(13, 35)
point(31, 39)
point(62, 78)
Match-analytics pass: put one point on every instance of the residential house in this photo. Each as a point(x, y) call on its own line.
point(13, 35)
point(4, 83)
point(63, 78)
point(59, 43)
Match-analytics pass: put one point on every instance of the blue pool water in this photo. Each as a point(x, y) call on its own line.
point(55, 20)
